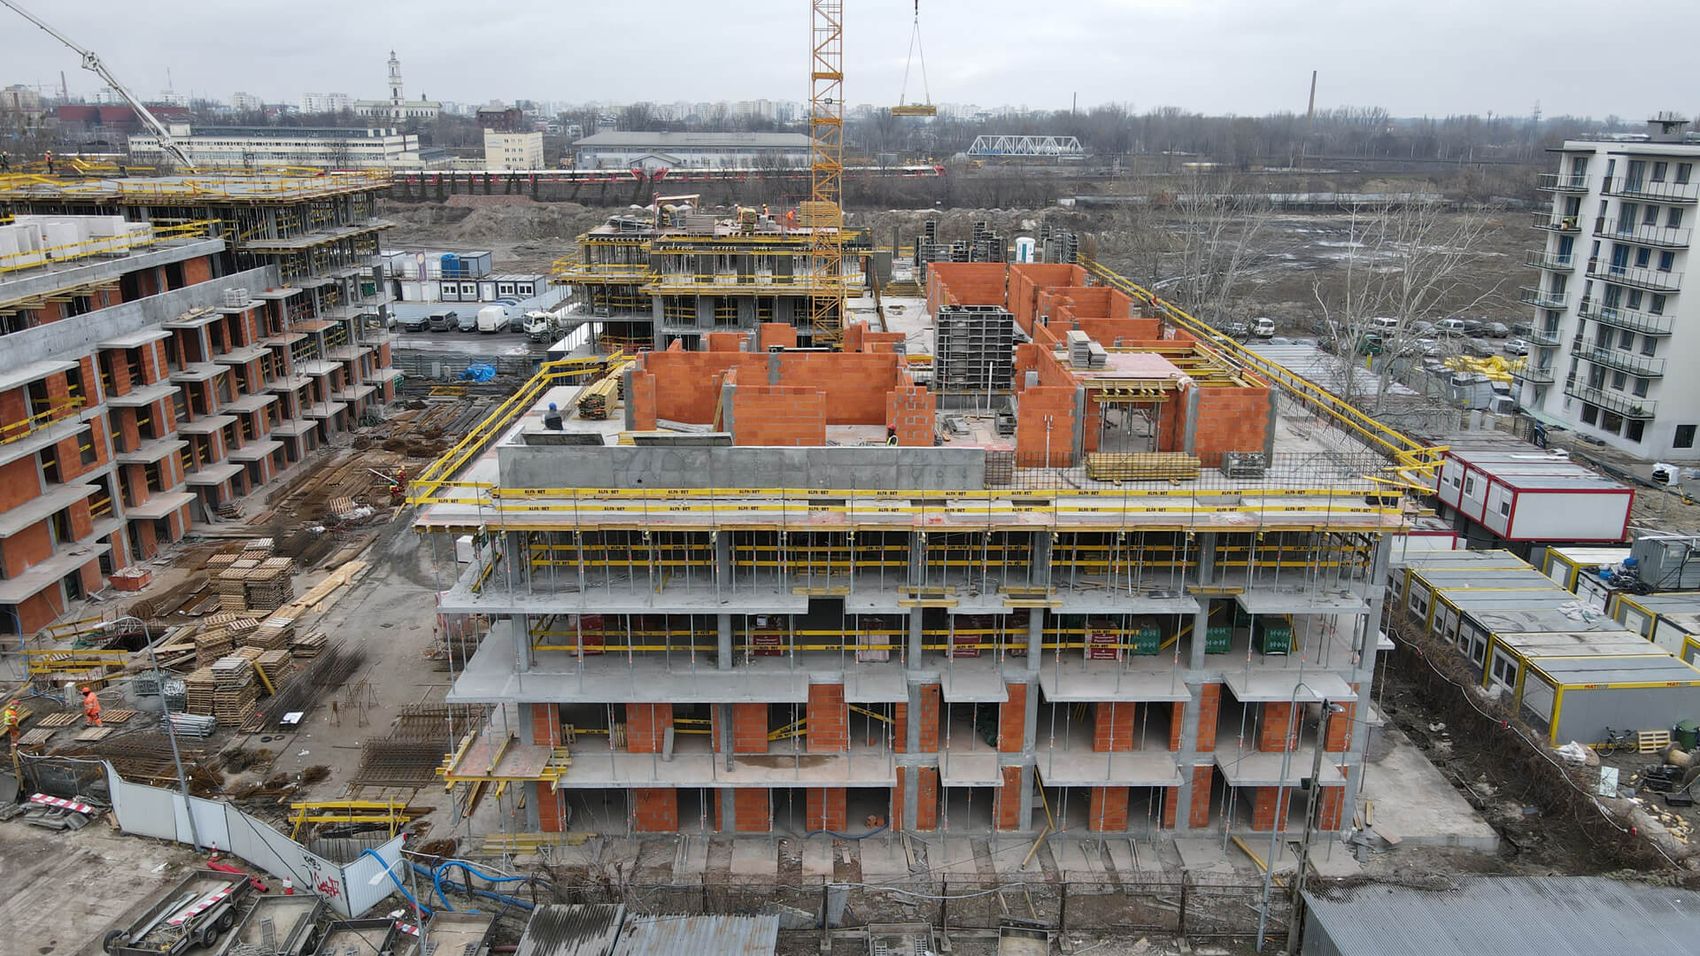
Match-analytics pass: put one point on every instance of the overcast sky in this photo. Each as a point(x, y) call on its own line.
point(1414, 57)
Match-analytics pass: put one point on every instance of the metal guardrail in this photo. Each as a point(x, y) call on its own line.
point(1542, 298)
point(1635, 364)
point(1669, 237)
point(1644, 322)
point(1626, 405)
point(1562, 183)
point(19, 430)
point(1663, 191)
point(104, 246)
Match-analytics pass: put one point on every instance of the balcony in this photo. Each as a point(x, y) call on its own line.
point(1543, 298)
point(1552, 261)
point(1643, 322)
point(1538, 374)
point(1546, 337)
point(1663, 237)
point(1656, 191)
point(1622, 403)
point(1562, 183)
point(1624, 361)
point(1636, 277)
point(1553, 222)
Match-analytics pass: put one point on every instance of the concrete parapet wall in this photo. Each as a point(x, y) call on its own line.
point(652, 466)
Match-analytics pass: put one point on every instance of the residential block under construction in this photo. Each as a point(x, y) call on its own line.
point(745, 587)
point(167, 346)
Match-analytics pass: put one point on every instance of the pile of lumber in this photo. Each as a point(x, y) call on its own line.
point(308, 646)
point(234, 689)
point(1142, 466)
point(273, 633)
point(595, 399)
point(212, 643)
point(200, 686)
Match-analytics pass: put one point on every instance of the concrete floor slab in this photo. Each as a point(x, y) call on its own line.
point(954, 858)
point(1076, 859)
point(1205, 855)
point(1008, 854)
point(1414, 802)
point(883, 858)
point(753, 856)
point(817, 857)
point(1121, 855)
point(694, 860)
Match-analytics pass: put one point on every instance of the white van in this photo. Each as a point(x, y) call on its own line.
point(1263, 328)
point(1451, 327)
point(493, 318)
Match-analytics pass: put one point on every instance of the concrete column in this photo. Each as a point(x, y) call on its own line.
point(723, 629)
point(772, 367)
point(914, 637)
point(727, 392)
point(1269, 431)
point(1077, 446)
point(631, 409)
point(1363, 674)
point(1189, 437)
point(1035, 639)
point(656, 312)
point(1206, 576)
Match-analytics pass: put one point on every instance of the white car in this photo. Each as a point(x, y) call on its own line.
point(1516, 347)
point(1263, 328)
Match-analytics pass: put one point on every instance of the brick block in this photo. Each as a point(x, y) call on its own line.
point(642, 402)
point(1203, 779)
point(1209, 707)
point(829, 728)
point(825, 808)
point(1339, 734)
point(749, 728)
point(546, 725)
point(1112, 726)
point(1269, 809)
point(655, 810)
point(646, 727)
point(1006, 806)
point(1278, 727)
point(1012, 720)
point(929, 730)
point(752, 808)
point(1171, 806)
point(551, 815)
point(1108, 811)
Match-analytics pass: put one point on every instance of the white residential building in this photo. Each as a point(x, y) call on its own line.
point(512, 150)
point(257, 146)
point(246, 102)
point(325, 102)
point(1613, 329)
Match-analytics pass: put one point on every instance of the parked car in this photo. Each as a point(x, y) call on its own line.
point(1429, 347)
point(1472, 326)
point(1263, 327)
point(1451, 327)
point(1516, 346)
point(1498, 330)
point(1384, 323)
point(444, 321)
point(1422, 329)
point(1238, 328)
point(414, 323)
point(468, 322)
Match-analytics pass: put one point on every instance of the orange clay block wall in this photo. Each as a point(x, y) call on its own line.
point(778, 415)
point(964, 283)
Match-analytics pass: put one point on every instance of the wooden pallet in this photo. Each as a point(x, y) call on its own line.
point(1651, 741)
point(90, 734)
point(64, 718)
point(37, 736)
point(1141, 466)
point(117, 716)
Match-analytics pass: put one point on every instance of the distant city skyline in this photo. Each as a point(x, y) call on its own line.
point(1248, 57)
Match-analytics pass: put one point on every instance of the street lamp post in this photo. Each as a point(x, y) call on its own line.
point(170, 729)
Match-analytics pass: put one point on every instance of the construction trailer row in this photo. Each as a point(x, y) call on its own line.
point(1570, 670)
point(1527, 495)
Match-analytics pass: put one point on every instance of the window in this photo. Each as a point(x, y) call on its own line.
point(1625, 339)
point(1684, 437)
point(1635, 300)
point(1590, 414)
point(1643, 258)
point(1640, 388)
point(1635, 430)
point(1656, 304)
point(1619, 380)
point(1667, 259)
point(1673, 218)
point(1650, 215)
point(1469, 484)
point(1649, 345)
point(1629, 212)
point(1505, 507)
point(1659, 171)
point(1683, 171)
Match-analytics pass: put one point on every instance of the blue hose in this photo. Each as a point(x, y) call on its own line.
point(847, 836)
point(436, 876)
point(425, 911)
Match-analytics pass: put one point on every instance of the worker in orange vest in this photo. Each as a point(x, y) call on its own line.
point(12, 722)
point(91, 707)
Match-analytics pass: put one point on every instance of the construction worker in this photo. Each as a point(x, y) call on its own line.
point(12, 722)
point(91, 707)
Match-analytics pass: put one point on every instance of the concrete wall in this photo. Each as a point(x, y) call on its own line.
point(624, 466)
point(80, 335)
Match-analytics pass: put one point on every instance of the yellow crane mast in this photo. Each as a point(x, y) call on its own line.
point(823, 214)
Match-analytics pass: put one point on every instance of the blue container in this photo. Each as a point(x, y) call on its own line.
point(451, 266)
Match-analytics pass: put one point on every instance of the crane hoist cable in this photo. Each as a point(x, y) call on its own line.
point(916, 52)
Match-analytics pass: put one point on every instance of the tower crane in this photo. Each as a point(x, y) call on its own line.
point(93, 63)
point(823, 214)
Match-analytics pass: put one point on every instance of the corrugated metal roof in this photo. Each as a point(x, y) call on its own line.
point(686, 140)
point(698, 935)
point(1506, 916)
point(1662, 669)
point(582, 929)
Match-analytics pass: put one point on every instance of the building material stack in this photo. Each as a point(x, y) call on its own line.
point(975, 348)
point(212, 643)
point(200, 688)
point(274, 633)
point(271, 585)
point(234, 689)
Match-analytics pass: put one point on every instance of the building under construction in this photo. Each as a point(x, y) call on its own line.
point(169, 346)
point(749, 588)
point(677, 274)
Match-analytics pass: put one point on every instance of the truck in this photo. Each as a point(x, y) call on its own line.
point(192, 913)
point(496, 318)
point(541, 326)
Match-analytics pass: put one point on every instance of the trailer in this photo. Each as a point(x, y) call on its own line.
point(293, 923)
point(368, 937)
point(1535, 496)
point(192, 913)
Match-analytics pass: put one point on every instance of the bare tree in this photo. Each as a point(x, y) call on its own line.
point(1407, 262)
point(1217, 221)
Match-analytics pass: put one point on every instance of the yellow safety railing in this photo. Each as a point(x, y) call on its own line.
point(43, 661)
point(19, 430)
point(268, 184)
point(107, 246)
point(1405, 452)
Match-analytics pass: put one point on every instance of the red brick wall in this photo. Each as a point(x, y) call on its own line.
point(752, 811)
point(965, 283)
point(1171, 806)
point(1202, 780)
point(776, 333)
point(641, 400)
point(929, 732)
point(19, 482)
point(909, 411)
point(1332, 808)
point(197, 270)
point(26, 549)
point(829, 729)
point(142, 533)
point(39, 610)
point(1209, 706)
point(1108, 812)
point(655, 809)
point(1269, 808)
point(749, 728)
point(550, 818)
point(778, 415)
point(1012, 720)
point(729, 341)
point(546, 725)
point(646, 727)
point(1112, 727)
point(825, 808)
point(1033, 406)
point(1339, 735)
point(1230, 419)
point(1006, 808)
point(1273, 732)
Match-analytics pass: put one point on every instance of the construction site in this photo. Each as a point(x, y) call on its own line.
point(818, 588)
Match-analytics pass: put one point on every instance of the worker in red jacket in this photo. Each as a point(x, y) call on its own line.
point(91, 707)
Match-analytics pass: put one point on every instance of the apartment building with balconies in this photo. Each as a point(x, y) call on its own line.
point(1610, 317)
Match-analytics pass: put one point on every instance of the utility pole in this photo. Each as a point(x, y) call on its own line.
point(1310, 120)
